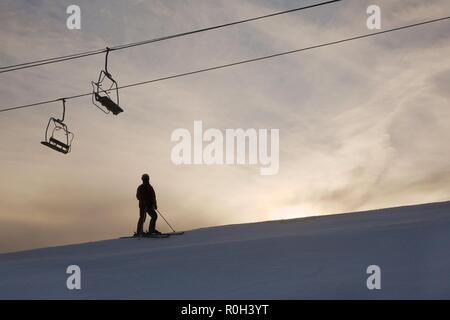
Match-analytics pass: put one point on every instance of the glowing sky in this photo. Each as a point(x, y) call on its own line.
point(362, 125)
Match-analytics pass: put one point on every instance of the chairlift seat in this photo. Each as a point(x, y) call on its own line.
point(108, 104)
point(57, 146)
point(59, 143)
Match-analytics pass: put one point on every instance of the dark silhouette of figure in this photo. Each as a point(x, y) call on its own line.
point(147, 204)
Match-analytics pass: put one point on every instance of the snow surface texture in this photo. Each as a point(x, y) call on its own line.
point(309, 258)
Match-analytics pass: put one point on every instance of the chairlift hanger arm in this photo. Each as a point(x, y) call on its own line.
point(106, 61)
point(64, 109)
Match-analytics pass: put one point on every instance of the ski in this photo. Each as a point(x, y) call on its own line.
point(176, 233)
point(156, 235)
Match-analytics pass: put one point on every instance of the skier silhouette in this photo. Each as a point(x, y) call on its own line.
point(147, 204)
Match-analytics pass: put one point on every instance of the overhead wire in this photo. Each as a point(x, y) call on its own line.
point(32, 64)
point(236, 63)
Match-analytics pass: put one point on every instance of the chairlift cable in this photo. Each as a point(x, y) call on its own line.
point(236, 63)
point(41, 62)
point(37, 62)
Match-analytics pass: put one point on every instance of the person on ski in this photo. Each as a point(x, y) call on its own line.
point(147, 204)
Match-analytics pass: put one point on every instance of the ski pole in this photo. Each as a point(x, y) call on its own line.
point(165, 220)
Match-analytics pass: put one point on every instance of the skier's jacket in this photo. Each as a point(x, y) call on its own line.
point(146, 196)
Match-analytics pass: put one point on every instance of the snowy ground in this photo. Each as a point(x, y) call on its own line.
point(316, 257)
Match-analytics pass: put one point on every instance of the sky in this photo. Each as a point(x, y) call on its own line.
point(362, 125)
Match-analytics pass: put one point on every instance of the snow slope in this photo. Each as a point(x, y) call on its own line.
point(316, 257)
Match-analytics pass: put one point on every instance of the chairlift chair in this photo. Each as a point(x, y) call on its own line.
point(57, 135)
point(105, 95)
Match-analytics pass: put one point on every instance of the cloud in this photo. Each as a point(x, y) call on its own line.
point(362, 125)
